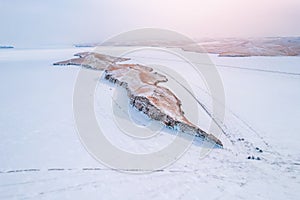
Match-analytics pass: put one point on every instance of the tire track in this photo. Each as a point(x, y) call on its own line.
point(225, 66)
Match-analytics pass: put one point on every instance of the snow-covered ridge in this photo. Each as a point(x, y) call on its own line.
point(225, 47)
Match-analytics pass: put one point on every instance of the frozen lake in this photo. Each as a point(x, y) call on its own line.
point(41, 156)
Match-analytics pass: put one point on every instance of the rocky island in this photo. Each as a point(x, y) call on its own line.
point(143, 90)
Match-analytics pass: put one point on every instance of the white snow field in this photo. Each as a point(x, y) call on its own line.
point(41, 156)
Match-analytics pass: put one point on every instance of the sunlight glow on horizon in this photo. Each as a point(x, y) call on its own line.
point(93, 20)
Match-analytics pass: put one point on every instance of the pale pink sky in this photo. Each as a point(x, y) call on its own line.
point(219, 18)
point(71, 21)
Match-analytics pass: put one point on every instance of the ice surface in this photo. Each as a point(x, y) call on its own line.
point(41, 156)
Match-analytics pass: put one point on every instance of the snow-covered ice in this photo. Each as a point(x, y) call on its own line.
point(41, 156)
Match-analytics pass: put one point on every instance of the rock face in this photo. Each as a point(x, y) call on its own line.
point(141, 83)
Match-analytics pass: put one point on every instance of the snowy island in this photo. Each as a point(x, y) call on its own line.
point(141, 83)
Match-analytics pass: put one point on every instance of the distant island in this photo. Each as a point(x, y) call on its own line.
point(6, 47)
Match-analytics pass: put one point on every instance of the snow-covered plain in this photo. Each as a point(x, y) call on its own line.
point(41, 156)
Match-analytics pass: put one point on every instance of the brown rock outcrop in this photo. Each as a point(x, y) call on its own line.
point(141, 83)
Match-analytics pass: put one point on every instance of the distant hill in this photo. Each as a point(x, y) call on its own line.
point(230, 47)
